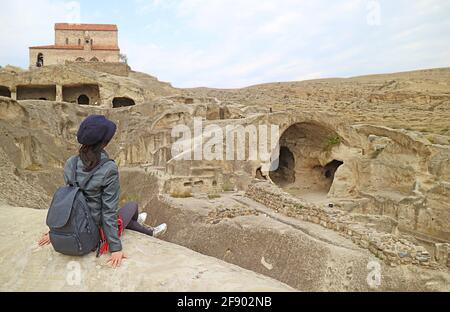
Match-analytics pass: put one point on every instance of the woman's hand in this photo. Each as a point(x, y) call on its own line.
point(45, 240)
point(116, 258)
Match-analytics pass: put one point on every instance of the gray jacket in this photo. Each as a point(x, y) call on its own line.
point(102, 194)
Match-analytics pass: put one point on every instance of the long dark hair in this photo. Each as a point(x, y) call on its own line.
point(90, 155)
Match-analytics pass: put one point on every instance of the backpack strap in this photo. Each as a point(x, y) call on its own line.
point(83, 184)
point(89, 176)
point(73, 178)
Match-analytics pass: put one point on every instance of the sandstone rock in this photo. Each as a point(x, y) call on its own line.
point(153, 265)
point(345, 142)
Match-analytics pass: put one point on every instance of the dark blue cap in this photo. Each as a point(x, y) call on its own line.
point(95, 129)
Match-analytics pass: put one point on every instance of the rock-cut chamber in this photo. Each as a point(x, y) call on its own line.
point(305, 164)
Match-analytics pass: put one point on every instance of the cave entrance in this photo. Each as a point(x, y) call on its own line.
point(285, 173)
point(122, 102)
point(83, 99)
point(84, 94)
point(331, 168)
point(36, 92)
point(305, 166)
point(4, 91)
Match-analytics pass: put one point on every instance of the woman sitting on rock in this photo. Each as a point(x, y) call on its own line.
point(102, 188)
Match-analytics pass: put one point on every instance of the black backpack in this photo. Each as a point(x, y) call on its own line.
point(73, 231)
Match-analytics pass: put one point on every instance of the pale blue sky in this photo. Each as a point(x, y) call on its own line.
point(235, 43)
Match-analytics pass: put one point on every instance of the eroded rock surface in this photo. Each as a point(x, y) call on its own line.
point(375, 148)
point(153, 265)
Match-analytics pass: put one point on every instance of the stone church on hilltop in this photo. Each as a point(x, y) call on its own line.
point(78, 43)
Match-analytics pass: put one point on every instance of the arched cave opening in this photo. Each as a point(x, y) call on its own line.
point(122, 102)
point(4, 91)
point(331, 168)
point(303, 149)
point(83, 99)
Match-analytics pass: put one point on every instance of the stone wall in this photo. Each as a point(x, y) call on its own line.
point(388, 247)
point(104, 38)
point(60, 56)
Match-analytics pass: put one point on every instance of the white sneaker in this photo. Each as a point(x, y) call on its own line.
point(141, 218)
point(159, 230)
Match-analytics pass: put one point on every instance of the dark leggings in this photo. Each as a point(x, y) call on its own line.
point(129, 213)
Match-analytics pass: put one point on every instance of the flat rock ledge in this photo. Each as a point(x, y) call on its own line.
point(153, 265)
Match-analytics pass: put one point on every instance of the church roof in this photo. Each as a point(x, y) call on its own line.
point(84, 27)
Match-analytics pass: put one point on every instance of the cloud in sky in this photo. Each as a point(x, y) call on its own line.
point(234, 43)
point(27, 23)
